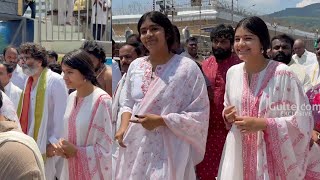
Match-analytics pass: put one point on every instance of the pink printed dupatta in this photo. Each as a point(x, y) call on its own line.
point(281, 151)
point(179, 95)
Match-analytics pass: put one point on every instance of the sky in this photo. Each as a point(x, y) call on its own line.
point(259, 6)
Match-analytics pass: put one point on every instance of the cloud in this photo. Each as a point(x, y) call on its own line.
point(307, 2)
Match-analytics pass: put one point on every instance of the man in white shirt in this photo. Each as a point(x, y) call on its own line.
point(303, 57)
point(10, 55)
point(99, 17)
point(43, 104)
point(12, 91)
point(281, 50)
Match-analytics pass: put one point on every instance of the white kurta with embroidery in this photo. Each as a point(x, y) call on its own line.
point(14, 93)
point(51, 128)
point(281, 151)
point(87, 124)
point(178, 93)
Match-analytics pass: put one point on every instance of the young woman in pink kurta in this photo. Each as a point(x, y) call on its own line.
point(265, 108)
point(165, 116)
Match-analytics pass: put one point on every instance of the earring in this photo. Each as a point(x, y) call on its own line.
point(262, 51)
point(85, 80)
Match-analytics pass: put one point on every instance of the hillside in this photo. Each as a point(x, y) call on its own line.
point(306, 18)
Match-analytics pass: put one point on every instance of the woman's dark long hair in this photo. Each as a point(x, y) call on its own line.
point(80, 61)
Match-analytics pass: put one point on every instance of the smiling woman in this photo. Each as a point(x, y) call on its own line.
point(264, 142)
point(161, 140)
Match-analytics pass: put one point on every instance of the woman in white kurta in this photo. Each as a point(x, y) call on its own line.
point(265, 108)
point(87, 134)
point(165, 115)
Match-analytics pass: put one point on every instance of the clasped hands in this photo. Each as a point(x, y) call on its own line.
point(244, 123)
point(62, 148)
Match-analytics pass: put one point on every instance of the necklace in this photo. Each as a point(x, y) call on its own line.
point(101, 72)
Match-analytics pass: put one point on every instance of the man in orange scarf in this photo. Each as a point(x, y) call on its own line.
point(43, 103)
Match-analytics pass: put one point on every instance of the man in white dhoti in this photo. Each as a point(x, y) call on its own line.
point(10, 55)
point(43, 103)
point(11, 90)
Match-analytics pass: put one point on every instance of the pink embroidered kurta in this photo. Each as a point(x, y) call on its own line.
point(217, 132)
point(178, 93)
point(88, 126)
point(281, 151)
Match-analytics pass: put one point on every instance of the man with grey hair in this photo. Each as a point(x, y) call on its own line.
point(303, 57)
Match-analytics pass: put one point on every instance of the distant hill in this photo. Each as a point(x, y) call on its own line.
point(306, 18)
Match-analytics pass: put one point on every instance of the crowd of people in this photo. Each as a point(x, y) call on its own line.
point(56, 115)
point(245, 112)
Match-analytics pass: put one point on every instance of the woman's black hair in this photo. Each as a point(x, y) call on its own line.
point(80, 60)
point(258, 27)
point(161, 20)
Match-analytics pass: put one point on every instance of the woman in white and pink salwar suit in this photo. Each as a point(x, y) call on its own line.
point(265, 106)
point(168, 110)
point(87, 142)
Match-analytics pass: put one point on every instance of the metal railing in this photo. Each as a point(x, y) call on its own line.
point(65, 20)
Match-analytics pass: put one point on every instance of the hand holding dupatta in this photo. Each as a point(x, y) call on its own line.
point(149, 121)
